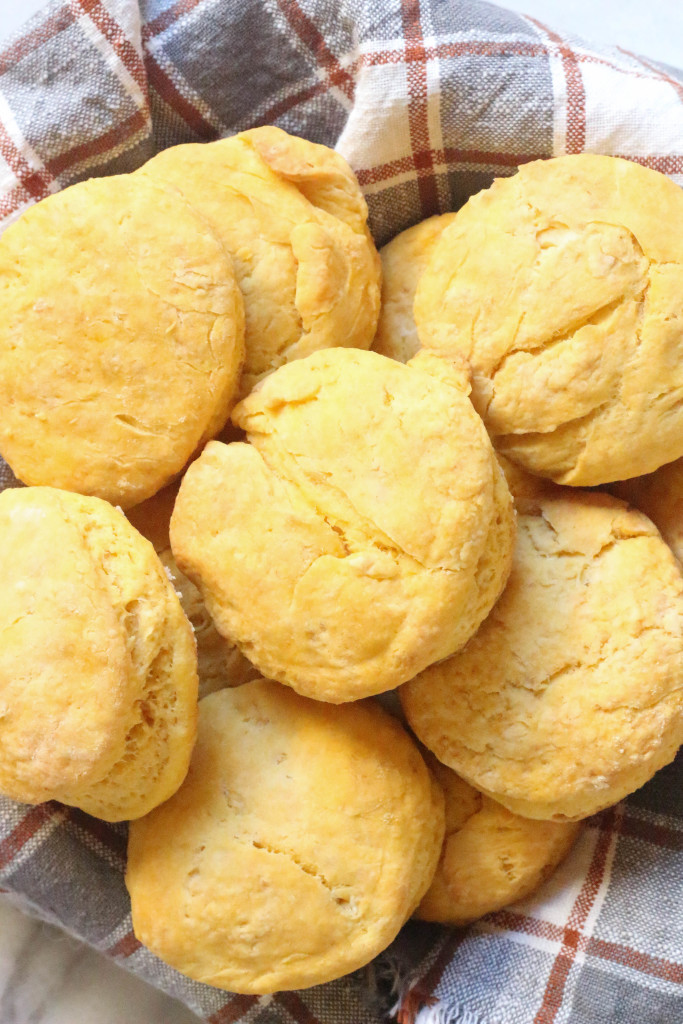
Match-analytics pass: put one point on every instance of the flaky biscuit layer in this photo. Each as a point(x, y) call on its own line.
point(98, 680)
point(292, 217)
point(219, 662)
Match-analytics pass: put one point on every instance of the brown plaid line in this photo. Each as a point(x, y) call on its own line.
point(35, 819)
point(162, 83)
point(576, 95)
point(301, 25)
point(412, 1003)
point(32, 183)
point(418, 120)
point(157, 25)
point(33, 40)
point(124, 947)
point(569, 937)
point(422, 992)
point(289, 102)
point(173, 97)
point(671, 163)
point(35, 184)
point(296, 1008)
point(615, 952)
point(636, 827)
point(421, 160)
point(19, 195)
point(559, 972)
point(98, 836)
point(418, 162)
point(111, 30)
point(486, 48)
point(233, 1010)
point(171, 93)
point(101, 146)
point(384, 173)
point(309, 35)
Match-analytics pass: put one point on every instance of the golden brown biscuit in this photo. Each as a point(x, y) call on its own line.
point(363, 533)
point(304, 259)
point(219, 662)
point(569, 696)
point(302, 839)
point(490, 856)
point(98, 671)
point(660, 496)
point(563, 287)
point(121, 338)
point(403, 261)
point(318, 172)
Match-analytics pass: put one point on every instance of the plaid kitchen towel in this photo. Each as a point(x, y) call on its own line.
point(428, 100)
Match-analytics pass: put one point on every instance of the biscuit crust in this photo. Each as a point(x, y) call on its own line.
point(404, 259)
point(660, 496)
point(302, 839)
point(98, 680)
point(363, 533)
point(569, 697)
point(121, 338)
point(295, 223)
point(490, 857)
point(563, 287)
point(219, 662)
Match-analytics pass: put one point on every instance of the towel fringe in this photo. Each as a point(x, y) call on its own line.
point(417, 1007)
point(440, 1013)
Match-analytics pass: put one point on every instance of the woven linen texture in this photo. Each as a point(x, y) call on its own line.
point(429, 100)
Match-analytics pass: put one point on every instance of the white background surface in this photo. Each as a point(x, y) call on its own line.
point(46, 978)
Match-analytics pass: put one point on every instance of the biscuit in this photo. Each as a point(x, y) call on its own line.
point(525, 486)
point(403, 261)
point(319, 173)
point(303, 838)
point(490, 856)
point(660, 496)
point(563, 287)
point(363, 533)
point(121, 338)
point(219, 662)
point(569, 697)
point(98, 671)
point(304, 259)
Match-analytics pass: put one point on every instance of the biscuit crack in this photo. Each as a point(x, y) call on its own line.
point(639, 708)
point(134, 425)
point(341, 898)
point(368, 534)
point(558, 337)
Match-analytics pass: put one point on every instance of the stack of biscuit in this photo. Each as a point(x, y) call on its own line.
point(310, 525)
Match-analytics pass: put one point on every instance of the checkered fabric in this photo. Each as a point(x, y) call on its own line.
point(428, 100)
